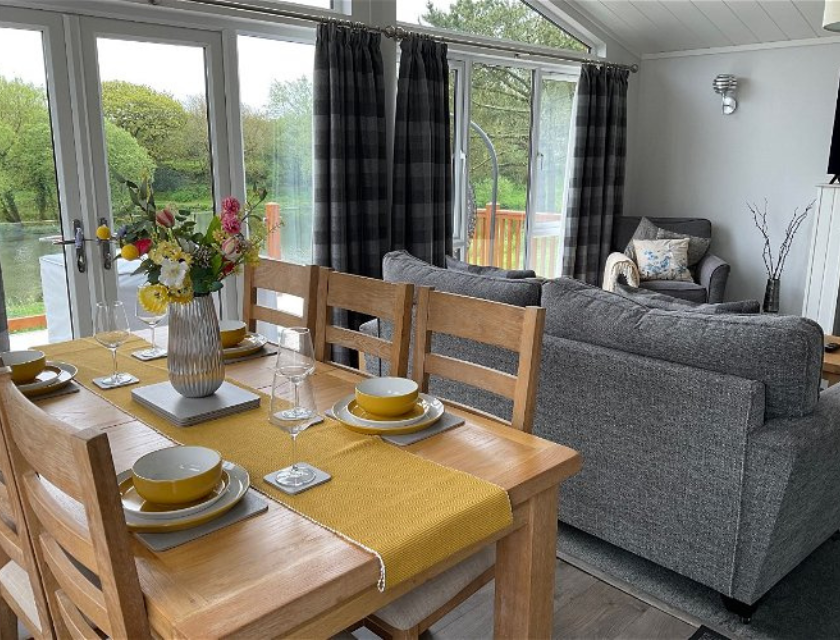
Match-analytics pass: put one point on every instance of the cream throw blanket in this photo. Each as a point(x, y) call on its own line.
point(617, 265)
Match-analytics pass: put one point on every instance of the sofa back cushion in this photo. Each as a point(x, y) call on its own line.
point(401, 266)
point(783, 352)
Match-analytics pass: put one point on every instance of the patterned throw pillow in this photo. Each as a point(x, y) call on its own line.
point(697, 247)
point(662, 259)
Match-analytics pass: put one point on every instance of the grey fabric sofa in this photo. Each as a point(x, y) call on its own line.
point(707, 445)
point(710, 274)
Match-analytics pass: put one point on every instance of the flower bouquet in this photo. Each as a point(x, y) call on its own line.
point(180, 262)
point(183, 266)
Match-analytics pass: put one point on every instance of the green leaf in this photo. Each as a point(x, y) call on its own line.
point(213, 227)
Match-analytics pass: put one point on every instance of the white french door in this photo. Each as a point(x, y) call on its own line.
point(47, 284)
point(155, 102)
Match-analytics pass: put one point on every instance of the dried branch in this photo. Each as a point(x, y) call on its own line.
point(775, 267)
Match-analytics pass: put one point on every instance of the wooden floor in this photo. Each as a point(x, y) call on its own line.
point(584, 607)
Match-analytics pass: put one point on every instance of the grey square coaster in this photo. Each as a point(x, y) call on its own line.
point(250, 505)
point(127, 380)
point(140, 355)
point(320, 478)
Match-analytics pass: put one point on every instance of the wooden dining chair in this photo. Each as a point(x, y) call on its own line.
point(72, 505)
point(276, 276)
point(389, 301)
point(518, 329)
point(22, 595)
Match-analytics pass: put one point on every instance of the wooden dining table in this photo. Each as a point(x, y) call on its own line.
point(279, 574)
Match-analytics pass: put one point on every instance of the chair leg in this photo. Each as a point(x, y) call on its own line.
point(8, 622)
point(743, 610)
point(408, 634)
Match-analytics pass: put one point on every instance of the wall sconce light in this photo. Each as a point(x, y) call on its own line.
point(831, 17)
point(726, 85)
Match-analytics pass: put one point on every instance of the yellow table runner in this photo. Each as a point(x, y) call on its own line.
point(411, 512)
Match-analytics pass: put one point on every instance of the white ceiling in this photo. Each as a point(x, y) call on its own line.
point(656, 26)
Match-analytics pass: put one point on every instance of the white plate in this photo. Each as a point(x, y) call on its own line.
point(418, 416)
point(236, 489)
point(68, 372)
point(134, 503)
point(48, 377)
point(432, 414)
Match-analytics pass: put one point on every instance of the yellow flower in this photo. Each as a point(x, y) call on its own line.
point(129, 252)
point(168, 250)
point(183, 294)
point(103, 232)
point(153, 298)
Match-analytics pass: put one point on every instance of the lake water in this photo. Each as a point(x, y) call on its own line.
point(20, 248)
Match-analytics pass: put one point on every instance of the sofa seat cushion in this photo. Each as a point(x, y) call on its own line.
point(783, 352)
point(401, 266)
point(494, 272)
point(654, 300)
point(677, 289)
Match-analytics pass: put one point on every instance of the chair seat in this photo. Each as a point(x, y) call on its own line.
point(17, 591)
point(678, 289)
point(417, 605)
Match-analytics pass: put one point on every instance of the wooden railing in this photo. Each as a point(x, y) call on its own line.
point(509, 242)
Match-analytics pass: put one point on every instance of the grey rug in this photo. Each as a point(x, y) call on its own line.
point(805, 604)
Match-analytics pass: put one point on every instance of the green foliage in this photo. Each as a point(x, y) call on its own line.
point(507, 19)
point(152, 117)
point(126, 157)
point(511, 195)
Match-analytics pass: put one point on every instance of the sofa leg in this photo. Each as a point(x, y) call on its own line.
point(740, 609)
point(835, 537)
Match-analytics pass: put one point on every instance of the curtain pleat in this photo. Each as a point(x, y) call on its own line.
point(422, 217)
point(596, 185)
point(4, 323)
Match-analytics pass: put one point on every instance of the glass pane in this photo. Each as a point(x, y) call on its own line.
point(154, 100)
point(29, 206)
point(500, 133)
point(277, 135)
point(505, 19)
point(555, 126)
point(276, 107)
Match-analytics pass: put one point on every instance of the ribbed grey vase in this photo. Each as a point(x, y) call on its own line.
point(196, 365)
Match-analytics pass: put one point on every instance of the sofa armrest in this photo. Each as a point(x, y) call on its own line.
point(619, 265)
point(712, 273)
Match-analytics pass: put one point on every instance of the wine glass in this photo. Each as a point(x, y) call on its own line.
point(110, 326)
point(151, 320)
point(295, 363)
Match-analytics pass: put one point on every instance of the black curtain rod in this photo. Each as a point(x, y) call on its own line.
point(398, 33)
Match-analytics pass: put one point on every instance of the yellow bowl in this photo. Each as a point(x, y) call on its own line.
point(177, 474)
point(26, 365)
point(387, 396)
point(233, 332)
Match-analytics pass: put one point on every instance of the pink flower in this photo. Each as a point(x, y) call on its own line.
point(231, 249)
point(230, 205)
point(143, 245)
point(165, 218)
point(231, 223)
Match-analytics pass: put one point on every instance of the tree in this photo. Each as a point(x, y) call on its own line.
point(126, 160)
point(290, 107)
point(152, 117)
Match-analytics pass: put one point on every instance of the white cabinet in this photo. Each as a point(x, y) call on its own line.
point(822, 279)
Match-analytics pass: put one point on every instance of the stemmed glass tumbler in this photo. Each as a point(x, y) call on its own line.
point(151, 320)
point(295, 363)
point(110, 326)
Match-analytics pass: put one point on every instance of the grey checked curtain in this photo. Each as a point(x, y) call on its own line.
point(351, 190)
point(596, 185)
point(421, 220)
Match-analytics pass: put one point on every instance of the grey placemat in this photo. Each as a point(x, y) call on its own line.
point(447, 421)
point(267, 350)
point(250, 506)
point(184, 412)
point(72, 387)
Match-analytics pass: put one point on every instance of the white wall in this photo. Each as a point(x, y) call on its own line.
point(690, 160)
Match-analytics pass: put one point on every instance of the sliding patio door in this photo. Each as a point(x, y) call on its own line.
point(156, 109)
point(47, 286)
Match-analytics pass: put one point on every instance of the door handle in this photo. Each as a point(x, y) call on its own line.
point(78, 242)
point(105, 248)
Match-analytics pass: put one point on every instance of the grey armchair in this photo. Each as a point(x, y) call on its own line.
point(710, 274)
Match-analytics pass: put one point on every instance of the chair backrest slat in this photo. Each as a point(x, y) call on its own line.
point(15, 538)
point(280, 277)
point(385, 300)
point(518, 329)
point(88, 569)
